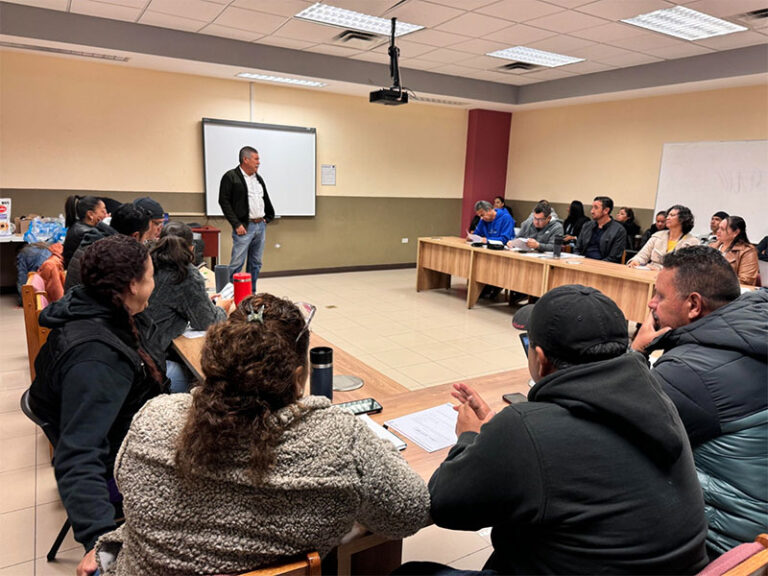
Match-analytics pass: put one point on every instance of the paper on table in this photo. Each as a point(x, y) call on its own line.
point(433, 429)
point(382, 432)
point(194, 333)
point(518, 243)
point(474, 238)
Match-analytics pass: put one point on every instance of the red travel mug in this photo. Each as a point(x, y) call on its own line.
point(242, 284)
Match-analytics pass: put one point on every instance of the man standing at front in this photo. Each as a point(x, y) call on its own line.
point(603, 238)
point(714, 370)
point(244, 200)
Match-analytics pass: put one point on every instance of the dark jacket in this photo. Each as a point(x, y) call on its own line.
point(90, 382)
point(612, 244)
point(172, 306)
point(715, 372)
point(72, 240)
point(545, 237)
point(101, 230)
point(233, 198)
point(573, 227)
point(632, 230)
point(593, 475)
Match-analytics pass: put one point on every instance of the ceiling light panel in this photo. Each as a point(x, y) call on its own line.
point(281, 80)
point(684, 23)
point(533, 56)
point(325, 14)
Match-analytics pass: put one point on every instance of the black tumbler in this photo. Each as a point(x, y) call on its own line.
point(558, 246)
point(321, 372)
point(222, 276)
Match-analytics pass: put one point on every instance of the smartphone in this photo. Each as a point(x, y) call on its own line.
point(365, 406)
point(514, 398)
point(524, 340)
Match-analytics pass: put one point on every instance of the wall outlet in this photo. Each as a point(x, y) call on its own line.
point(404, 240)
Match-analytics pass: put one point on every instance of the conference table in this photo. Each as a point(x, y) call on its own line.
point(371, 553)
point(530, 273)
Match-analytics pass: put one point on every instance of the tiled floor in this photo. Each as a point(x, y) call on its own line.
point(417, 339)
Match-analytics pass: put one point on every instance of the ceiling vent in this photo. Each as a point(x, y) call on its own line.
point(755, 18)
point(357, 39)
point(519, 67)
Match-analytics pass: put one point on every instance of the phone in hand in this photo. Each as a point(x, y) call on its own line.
point(365, 406)
point(514, 398)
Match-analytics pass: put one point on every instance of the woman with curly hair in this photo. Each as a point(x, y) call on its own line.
point(93, 375)
point(676, 235)
point(246, 471)
point(734, 245)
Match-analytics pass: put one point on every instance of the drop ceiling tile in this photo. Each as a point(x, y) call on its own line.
point(61, 5)
point(464, 4)
point(735, 40)
point(473, 25)
point(372, 7)
point(632, 59)
point(279, 7)
point(500, 77)
point(307, 31)
point(620, 9)
point(645, 41)
point(102, 10)
point(424, 13)
point(726, 9)
point(570, 3)
point(418, 64)
point(407, 49)
point(678, 51)
point(169, 21)
point(587, 67)
point(483, 62)
point(548, 74)
point(285, 42)
point(250, 20)
point(609, 32)
point(191, 9)
point(519, 10)
point(436, 38)
point(333, 50)
point(479, 46)
point(566, 21)
point(599, 52)
point(446, 56)
point(454, 70)
point(376, 57)
point(128, 3)
point(519, 34)
point(564, 44)
point(231, 33)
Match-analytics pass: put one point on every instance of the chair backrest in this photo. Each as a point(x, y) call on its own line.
point(307, 566)
point(750, 559)
point(33, 303)
point(47, 427)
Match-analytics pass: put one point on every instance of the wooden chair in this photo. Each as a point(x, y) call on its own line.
point(307, 566)
point(750, 559)
point(33, 301)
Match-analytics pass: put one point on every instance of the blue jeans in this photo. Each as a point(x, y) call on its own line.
point(251, 244)
point(178, 375)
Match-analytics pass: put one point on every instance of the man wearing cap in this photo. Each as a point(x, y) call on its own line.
point(602, 238)
point(594, 474)
point(157, 216)
point(245, 202)
point(714, 368)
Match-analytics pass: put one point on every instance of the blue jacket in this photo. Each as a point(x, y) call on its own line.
point(502, 227)
point(715, 372)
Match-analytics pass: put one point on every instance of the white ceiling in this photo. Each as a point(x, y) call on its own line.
point(445, 60)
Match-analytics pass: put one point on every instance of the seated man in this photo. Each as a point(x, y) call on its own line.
point(494, 224)
point(714, 370)
point(714, 224)
point(594, 474)
point(603, 238)
point(541, 231)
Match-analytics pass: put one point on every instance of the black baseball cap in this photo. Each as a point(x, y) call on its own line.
point(151, 207)
point(569, 320)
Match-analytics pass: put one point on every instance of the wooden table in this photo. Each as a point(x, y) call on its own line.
point(440, 258)
point(371, 553)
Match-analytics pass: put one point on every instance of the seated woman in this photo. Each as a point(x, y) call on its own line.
point(179, 298)
point(82, 213)
point(93, 375)
point(245, 471)
point(574, 222)
point(677, 235)
point(500, 203)
point(626, 216)
point(733, 244)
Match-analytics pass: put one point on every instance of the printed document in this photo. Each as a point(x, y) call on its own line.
point(432, 429)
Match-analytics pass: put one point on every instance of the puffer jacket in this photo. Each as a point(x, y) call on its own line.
point(715, 372)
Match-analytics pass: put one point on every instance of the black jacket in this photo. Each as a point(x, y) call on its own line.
point(715, 370)
point(594, 475)
point(101, 230)
point(72, 240)
point(612, 244)
point(233, 198)
point(90, 382)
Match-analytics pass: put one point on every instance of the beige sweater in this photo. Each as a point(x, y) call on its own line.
point(330, 472)
point(652, 254)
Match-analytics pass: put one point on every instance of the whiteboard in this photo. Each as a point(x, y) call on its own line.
point(711, 176)
point(287, 155)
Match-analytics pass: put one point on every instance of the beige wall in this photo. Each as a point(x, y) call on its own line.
point(614, 148)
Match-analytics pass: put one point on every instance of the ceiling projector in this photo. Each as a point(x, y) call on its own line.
point(389, 96)
point(394, 95)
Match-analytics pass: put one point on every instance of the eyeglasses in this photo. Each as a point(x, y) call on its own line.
point(308, 311)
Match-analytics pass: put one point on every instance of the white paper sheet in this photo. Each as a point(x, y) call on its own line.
point(382, 432)
point(433, 429)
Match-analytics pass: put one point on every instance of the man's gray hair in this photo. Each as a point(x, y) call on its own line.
point(246, 152)
point(483, 205)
